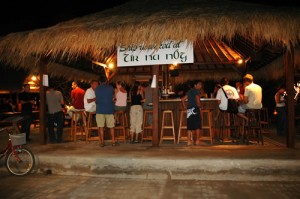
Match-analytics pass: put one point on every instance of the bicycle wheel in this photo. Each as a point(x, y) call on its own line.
point(24, 165)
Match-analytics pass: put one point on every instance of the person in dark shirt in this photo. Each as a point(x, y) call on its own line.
point(136, 112)
point(27, 102)
point(193, 112)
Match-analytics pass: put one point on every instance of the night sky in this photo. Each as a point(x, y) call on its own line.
point(16, 15)
point(24, 15)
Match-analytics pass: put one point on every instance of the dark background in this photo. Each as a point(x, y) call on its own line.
point(24, 15)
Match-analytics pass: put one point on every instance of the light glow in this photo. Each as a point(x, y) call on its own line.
point(111, 65)
point(240, 61)
point(33, 78)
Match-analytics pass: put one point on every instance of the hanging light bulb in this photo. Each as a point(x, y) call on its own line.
point(33, 78)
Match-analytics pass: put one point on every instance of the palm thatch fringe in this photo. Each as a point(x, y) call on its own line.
point(150, 22)
point(57, 70)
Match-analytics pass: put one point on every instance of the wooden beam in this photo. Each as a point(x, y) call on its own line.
point(289, 78)
point(155, 99)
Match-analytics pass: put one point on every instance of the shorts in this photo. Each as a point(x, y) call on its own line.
point(242, 108)
point(120, 108)
point(109, 119)
point(193, 118)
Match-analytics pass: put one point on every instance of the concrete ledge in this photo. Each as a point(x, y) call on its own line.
point(166, 168)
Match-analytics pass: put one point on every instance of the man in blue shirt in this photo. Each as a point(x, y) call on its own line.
point(105, 110)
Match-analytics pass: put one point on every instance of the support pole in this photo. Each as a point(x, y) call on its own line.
point(155, 99)
point(165, 73)
point(43, 134)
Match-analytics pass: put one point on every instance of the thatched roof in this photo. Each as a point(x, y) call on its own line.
point(96, 36)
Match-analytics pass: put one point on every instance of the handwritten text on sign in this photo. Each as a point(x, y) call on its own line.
point(168, 52)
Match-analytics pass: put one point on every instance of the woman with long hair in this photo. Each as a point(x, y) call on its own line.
point(136, 112)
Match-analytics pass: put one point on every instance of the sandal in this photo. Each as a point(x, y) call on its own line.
point(189, 144)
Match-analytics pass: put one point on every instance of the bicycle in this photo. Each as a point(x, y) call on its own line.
point(19, 160)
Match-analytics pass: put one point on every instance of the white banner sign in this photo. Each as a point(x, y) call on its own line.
point(169, 52)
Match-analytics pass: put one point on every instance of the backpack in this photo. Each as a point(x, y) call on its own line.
point(232, 106)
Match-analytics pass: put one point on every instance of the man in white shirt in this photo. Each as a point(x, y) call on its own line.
point(231, 93)
point(90, 97)
point(252, 96)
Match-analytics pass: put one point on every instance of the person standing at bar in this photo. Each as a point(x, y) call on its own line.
point(105, 110)
point(193, 112)
point(120, 98)
point(27, 102)
point(203, 94)
point(147, 105)
point(90, 97)
point(55, 101)
point(136, 112)
point(281, 111)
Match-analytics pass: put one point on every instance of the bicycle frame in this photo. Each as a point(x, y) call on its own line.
point(9, 147)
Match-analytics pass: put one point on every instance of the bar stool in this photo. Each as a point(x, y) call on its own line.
point(206, 117)
point(91, 128)
point(167, 125)
point(120, 129)
point(147, 128)
point(264, 118)
point(74, 124)
point(224, 118)
point(229, 122)
point(182, 126)
point(253, 125)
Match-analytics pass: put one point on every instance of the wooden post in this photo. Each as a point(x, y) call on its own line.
point(43, 133)
point(289, 81)
point(165, 74)
point(155, 99)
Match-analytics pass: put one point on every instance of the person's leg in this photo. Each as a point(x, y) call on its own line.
point(139, 122)
point(278, 121)
point(242, 109)
point(51, 134)
point(100, 119)
point(110, 123)
point(101, 137)
point(281, 121)
point(190, 125)
point(27, 127)
point(116, 108)
point(59, 116)
point(197, 136)
point(136, 137)
point(189, 138)
point(70, 111)
point(131, 137)
point(112, 134)
point(132, 123)
point(23, 124)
